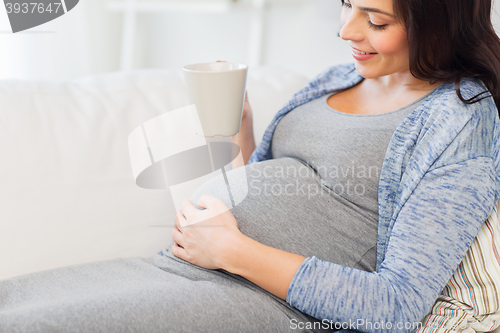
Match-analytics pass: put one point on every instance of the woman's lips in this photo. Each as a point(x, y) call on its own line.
point(360, 55)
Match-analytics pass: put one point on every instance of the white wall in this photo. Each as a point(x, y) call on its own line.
point(299, 37)
point(305, 39)
point(82, 42)
point(87, 40)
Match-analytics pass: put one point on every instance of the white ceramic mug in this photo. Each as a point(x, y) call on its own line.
point(217, 89)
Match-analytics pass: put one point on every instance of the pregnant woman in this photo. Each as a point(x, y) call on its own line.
point(364, 195)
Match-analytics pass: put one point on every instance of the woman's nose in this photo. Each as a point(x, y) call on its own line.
point(351, 29)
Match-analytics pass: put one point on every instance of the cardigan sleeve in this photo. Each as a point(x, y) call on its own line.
point(431, 234)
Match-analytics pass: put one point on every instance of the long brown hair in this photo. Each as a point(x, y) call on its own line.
point(452, 39)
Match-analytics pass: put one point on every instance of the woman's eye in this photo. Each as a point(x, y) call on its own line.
point(376, 26)
point(345, 4)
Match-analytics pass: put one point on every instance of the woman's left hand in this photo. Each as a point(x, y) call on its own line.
point(204, 237)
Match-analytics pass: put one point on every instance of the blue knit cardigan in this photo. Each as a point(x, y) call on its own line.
point(438, 183)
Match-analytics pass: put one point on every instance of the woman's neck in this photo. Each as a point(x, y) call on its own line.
point(401, 82)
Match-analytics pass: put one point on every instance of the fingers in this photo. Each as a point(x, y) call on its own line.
point(213, 207)
point(177, 237)
point(188, 209)
point(189, 214)
point(207, 201)
point(178, 251)
point(180, 220)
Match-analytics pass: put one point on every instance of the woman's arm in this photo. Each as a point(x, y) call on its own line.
point(245, 138)
point(267, 267)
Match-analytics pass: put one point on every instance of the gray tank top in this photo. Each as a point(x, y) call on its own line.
point(346, 150)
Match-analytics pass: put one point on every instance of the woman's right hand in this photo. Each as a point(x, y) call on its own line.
point(247, 111)
point(244, 138)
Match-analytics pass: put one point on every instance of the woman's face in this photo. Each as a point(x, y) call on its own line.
point(371, 27)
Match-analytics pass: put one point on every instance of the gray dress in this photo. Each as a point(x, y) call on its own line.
point(317, 196)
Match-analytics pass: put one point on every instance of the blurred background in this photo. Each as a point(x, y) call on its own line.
point(111, 35)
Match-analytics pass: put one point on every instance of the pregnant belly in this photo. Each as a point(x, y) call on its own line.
point(288, 208)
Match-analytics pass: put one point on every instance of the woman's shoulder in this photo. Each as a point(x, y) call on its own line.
point(458, 130)
point(446, 103)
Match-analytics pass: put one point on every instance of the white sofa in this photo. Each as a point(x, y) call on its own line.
point(67, 190)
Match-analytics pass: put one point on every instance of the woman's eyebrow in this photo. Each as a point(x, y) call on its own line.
point(375, 10)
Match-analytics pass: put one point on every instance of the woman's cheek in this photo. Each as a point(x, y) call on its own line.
point(388, 45)
point(397, 42)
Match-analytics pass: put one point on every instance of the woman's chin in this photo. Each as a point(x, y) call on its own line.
point(366, 71)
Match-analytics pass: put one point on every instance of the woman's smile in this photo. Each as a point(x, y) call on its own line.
point(361, 55)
